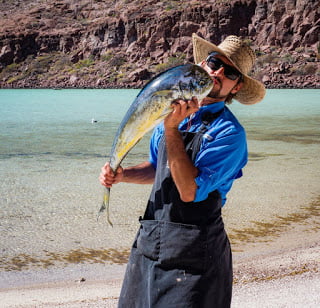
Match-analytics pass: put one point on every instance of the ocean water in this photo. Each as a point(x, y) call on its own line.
point(56, 123)
point(51, 152)
point(59, 122)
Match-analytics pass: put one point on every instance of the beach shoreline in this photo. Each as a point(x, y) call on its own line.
point(273, 267)
point(54, 252)
point(262, 281)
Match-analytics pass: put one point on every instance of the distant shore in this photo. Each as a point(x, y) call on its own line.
point(297, 85)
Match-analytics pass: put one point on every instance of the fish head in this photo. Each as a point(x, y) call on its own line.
point(195, 82)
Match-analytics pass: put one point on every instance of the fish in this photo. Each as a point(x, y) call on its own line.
point(151, 106)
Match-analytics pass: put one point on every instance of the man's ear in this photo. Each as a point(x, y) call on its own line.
point(237, 87)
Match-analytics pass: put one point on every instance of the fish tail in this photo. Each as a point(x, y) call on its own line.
point(105, 206)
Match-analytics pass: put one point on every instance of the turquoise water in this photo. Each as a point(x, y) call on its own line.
point(287, 115)
point(51, 154)
point(58, 122)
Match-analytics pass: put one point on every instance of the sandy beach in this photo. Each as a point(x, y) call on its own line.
point(65, 258)
point(290, 279)
point(54, 252)
point(273, 270)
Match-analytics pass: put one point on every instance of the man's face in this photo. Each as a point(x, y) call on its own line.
point(225, 77)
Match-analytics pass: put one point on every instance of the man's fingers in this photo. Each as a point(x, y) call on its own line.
point(104, 181)
point(186, 104)
point(107, 176)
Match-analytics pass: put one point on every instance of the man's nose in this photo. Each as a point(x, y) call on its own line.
point(218, 72)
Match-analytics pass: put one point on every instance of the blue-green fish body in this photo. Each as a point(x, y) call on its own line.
point(152, 105)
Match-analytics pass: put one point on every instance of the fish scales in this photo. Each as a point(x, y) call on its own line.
point(136, 127)
point(151, 106)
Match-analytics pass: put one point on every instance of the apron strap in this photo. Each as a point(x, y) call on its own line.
point(193, 140)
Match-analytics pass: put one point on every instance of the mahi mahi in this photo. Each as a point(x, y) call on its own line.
point(151, 106)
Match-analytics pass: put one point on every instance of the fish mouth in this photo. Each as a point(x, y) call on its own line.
point(217, 84)
point(216, 80)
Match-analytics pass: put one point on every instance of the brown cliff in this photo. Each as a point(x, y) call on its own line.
point(95, 43)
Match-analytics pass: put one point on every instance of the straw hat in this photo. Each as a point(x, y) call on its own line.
point(242, 57)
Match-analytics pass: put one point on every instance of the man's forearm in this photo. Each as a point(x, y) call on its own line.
point(182, 169)
point(141, 174)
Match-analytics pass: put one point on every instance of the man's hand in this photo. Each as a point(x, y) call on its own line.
point(107, 177)
point(181, 110)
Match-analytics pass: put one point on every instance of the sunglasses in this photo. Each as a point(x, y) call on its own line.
point(229, 71)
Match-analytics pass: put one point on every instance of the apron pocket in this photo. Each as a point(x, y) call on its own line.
point(148, 241)
point(182, 246)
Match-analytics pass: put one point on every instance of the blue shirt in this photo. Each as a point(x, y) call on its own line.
point(222, 155)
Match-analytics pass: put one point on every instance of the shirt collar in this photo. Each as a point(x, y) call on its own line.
point(213, 108)
point(195, 118)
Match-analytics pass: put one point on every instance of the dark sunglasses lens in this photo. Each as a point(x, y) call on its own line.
point(229, 71)
point(214, 63)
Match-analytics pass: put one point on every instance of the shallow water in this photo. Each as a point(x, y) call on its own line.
point(51, 154)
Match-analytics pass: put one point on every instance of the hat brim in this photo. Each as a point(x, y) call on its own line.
point(252, 90)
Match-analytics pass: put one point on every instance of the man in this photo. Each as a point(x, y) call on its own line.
point(181, 256)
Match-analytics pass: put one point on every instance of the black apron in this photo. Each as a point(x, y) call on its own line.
point(181, 256)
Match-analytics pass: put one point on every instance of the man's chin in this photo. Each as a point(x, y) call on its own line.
point(214, 94)
point(208, 100)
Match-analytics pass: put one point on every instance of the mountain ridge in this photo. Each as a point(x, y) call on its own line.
point(122, 44)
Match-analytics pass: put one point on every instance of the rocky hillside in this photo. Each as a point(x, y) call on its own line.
point(97, 43)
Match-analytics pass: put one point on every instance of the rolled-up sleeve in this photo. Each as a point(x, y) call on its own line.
point(220, 162)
